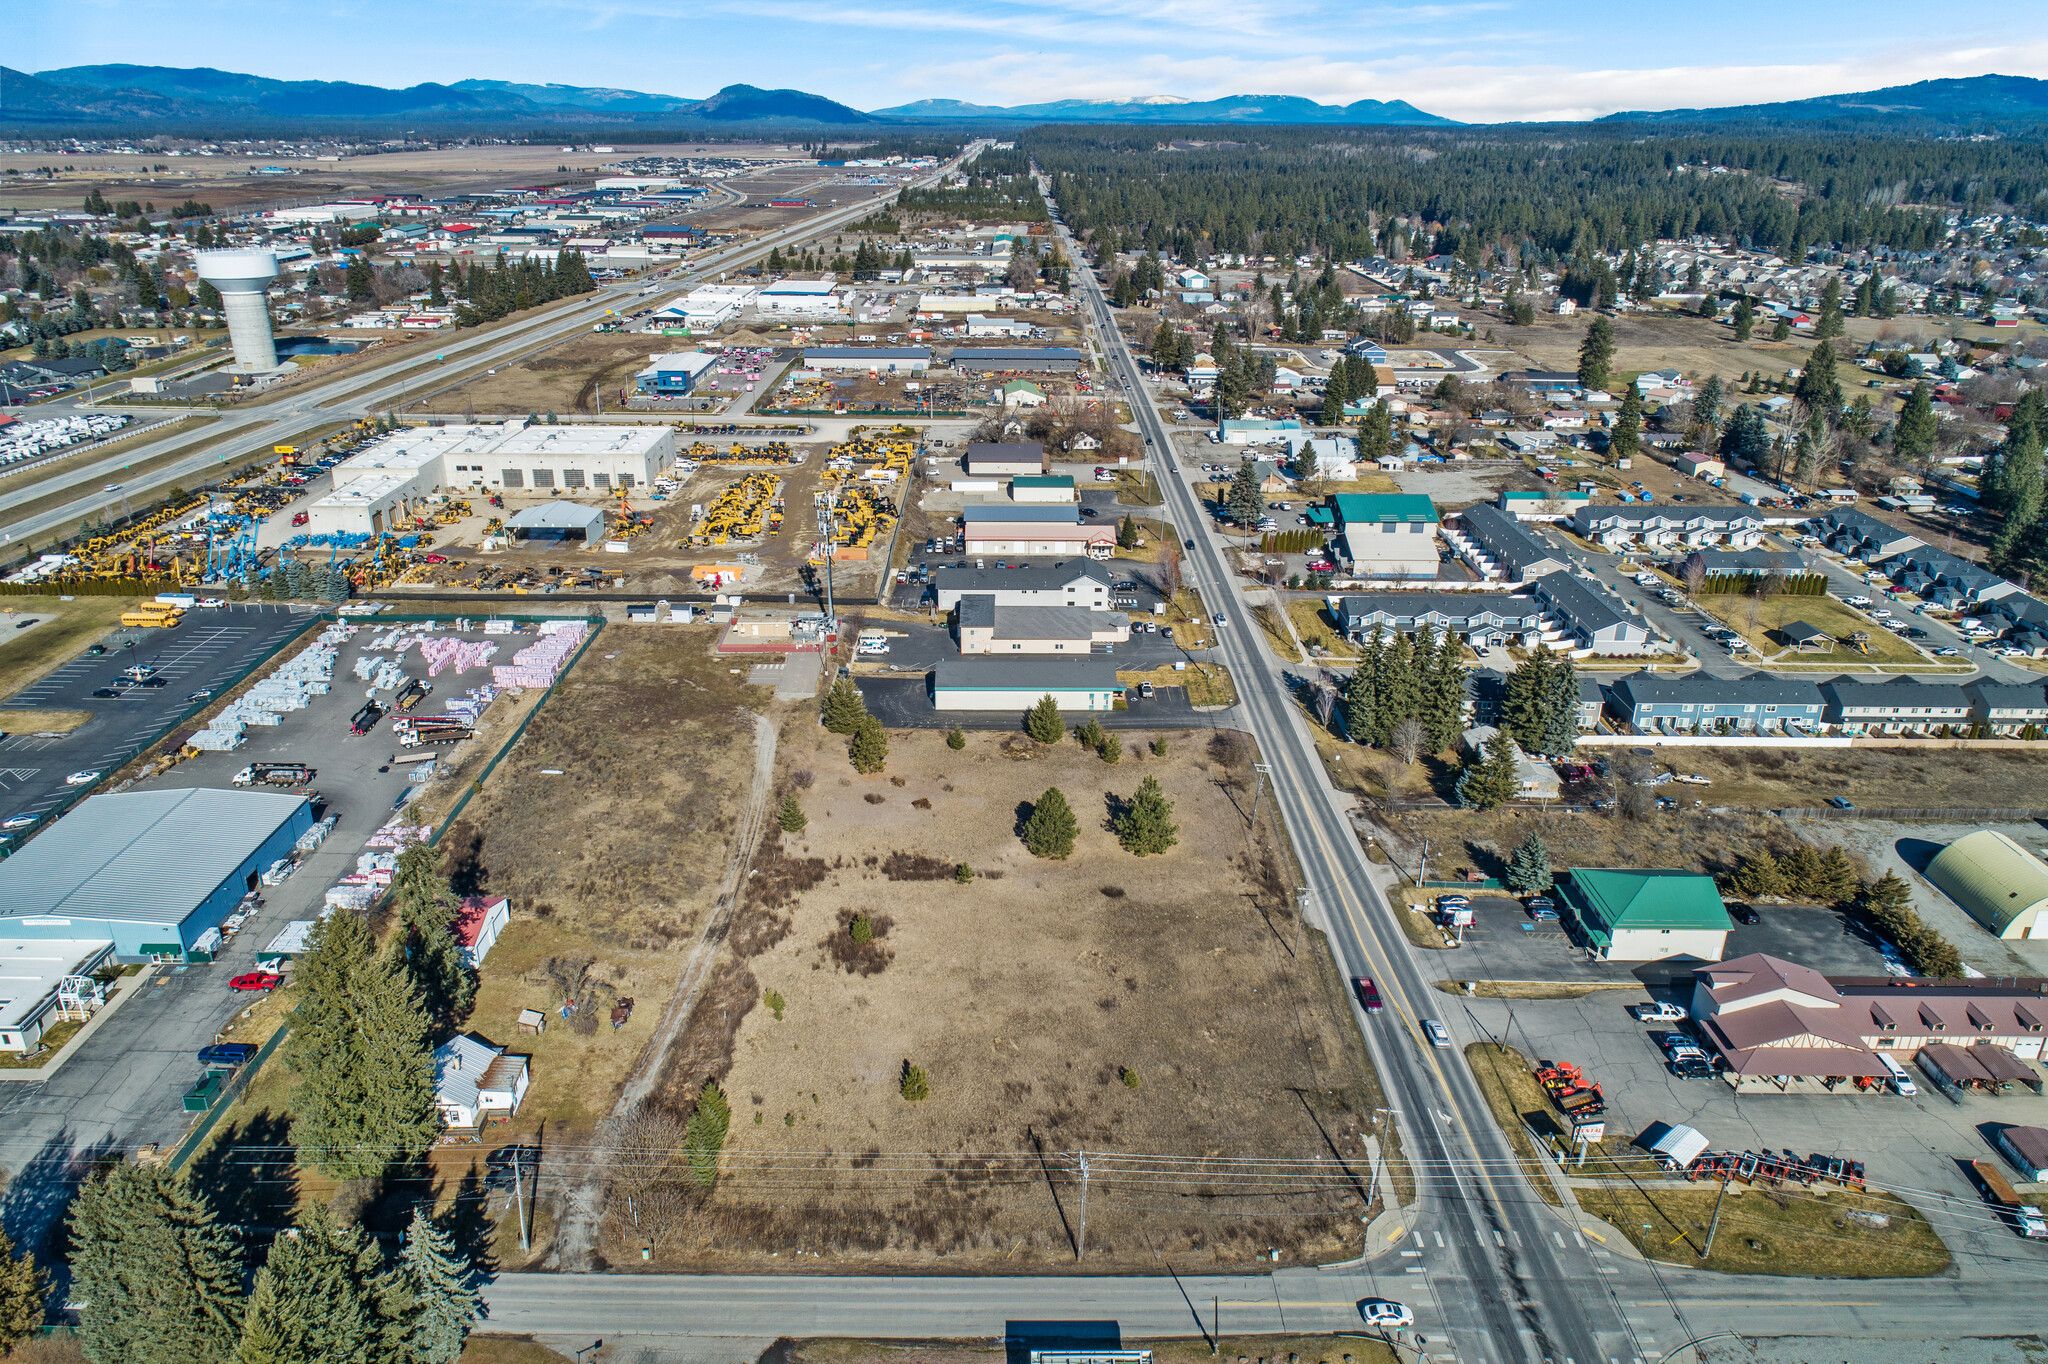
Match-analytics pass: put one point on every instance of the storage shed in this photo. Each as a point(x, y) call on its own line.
point(2000, 884)
point(2027, 1149)
point(155, 871)
point(558, 521)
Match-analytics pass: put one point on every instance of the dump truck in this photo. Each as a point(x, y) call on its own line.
point(275, 774)
point(1998, 1192)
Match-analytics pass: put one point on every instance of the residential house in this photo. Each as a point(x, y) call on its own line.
point(1628, 524)
point(1937, 576)
point(1500, 546)
point(2005, 708)
point(1622, 915)
point(1596, 621)
point(1332, 458)
point(475, 1081)
point(1659, 703)
point(1895, 705)
point(1859, 535)
point(1022, 393)
point(1534, 778)
point(1388, 535)
point(1481, 619)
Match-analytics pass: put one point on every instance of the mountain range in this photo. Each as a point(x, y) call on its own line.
point(161, 98)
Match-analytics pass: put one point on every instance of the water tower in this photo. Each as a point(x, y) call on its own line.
point(241, 275)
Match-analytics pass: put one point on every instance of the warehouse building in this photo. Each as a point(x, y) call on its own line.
point(1645, 915)
point(1080, 582)
point(1997, 882)
point(153, 871)
point(861, 359)
point(983, 627)
point(801, 296)
point(1053, 488)
point(1014, 529)
point(386, 483)
point(673, 375)
point(558, 522)
point(1016, 686)
point(1004, 459)
point(44, 982)
point(1017, 360)
point(1388, 535)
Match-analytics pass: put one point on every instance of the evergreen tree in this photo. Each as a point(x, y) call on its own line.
point(956, 738)
point(22, 1291)
point(1375, 432)
point(1745, 318)
point(1913, 437)
point(1443, 700)
point(1830, 322)
point(365, 1099)
point(1529, 869)
point(1490, 782)
point(1819, 386)
point(1051, 829)
point(427, 908)
point(1127, 533)
point(1560, 711)
point(1400, 693)
point(360, 284)
point(844, 707)
point(1361, 693)
point(1246, 503)
point(869, 750)
point(437, 294)
point(320, 1297)
point(791, 816)
point(1596, 354)
point(435, 1293)
point(160, 1279)
point(1043, 723)
point(1626, 438)
point(1834, 881)
point(1758, 877)
point(1525, 706)
point(1145, 826)
point(704, 1135)
point(1706, 406)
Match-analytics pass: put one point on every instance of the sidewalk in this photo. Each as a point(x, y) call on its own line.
point(130, 987)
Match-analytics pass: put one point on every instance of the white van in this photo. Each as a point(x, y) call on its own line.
point(1901, 1081)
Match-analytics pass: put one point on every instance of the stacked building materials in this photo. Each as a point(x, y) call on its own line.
point(314, 836)
point(346, 896)
point(397, 834)
point(455, 655)
point(540, 663)
point(222, 735)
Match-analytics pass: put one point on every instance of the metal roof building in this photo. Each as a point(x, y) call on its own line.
point(1077, 684)
point(2002, 885)
point(558, 521)
point(155, 871)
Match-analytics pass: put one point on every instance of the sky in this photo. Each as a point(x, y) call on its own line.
point(1472, 60)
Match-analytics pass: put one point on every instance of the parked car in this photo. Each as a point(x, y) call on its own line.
point(227, 1054)
point(1543, 909)
point(85, 778)
point(1743, 914)
point(256, 980)
point(1368, 994)
point(20, 822)
point(1840, 804)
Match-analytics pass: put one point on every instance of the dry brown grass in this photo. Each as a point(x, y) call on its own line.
point(1914, 777)
point(42, 721)
point(1461, 841)
point(64, 628)
point(1789, 1231)
point(508, 1350)
point(1025, 995)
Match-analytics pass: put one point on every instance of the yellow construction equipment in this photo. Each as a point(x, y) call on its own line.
point(740, 512)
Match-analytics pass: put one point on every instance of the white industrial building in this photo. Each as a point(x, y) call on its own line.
point(710, 306)
point(802, 296)
point(44, 982)
point(384, 484)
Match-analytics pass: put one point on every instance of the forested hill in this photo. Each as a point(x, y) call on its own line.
point(2014, 102)
point(1291, 189)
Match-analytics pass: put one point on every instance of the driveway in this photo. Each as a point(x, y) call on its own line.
point(906, 703)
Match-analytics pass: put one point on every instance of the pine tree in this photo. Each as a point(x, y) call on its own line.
point(1560, 711)
point(869, 751)
point(1145, 826)
point(956, 738)
point(1375, 432)
point(1246, 503)
point(1596, 355)
point(1758, 877)
point(791, 816)
point(365, 1100)
point(1706, 407)
point(1127, 533)
point(1051, 828)
point(1490, 782)
point(1361, 696)
point(359, 283)
point(1830, 322)
point(1913, 437)
point(704, 1135)
point(22, 1291)
point(844, 707)
point(1525, 706)
point(1625, 440)
point(130, 1226)
point(1745, 318)
point(1443, 700)
point(1043, 723)
point(1835, 881)
point(1820, 386)
point(1400, 694)
point(1529, 868)
point(321, 1296)
point(435, 1294)
point(428, 907)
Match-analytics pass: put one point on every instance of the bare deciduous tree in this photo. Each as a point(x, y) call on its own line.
point(1408, 740)
point(1694, 574)
point(643, 1151)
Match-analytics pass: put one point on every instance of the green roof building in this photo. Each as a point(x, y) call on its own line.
point(1645, 915)
point(2002, 885)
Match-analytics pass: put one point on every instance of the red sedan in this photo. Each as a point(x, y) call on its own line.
point(256, 980)
point(1368, 994)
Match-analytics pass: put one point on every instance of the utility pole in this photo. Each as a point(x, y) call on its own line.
point(1422, 866)
point(1715, 1225)
point(519, 1196)
point(1081, 1241)
point(1260, 772)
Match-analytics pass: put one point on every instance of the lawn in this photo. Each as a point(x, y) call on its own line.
point(1790, 1231)
point(1827, 613)
point(1317, 627)
point(1138, 489)
point(1208, 684)
point(63, 628)
point(54, 1039)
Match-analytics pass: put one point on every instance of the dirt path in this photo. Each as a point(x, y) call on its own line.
point(582, 1202)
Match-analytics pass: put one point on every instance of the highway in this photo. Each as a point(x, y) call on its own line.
point(1505, 1289)
point(381, 387)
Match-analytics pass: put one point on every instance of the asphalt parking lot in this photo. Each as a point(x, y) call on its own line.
point(209, 651)
point(1504, 943)
point(124, 1085)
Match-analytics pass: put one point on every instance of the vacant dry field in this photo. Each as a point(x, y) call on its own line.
point(1657, 341)
point(62, 628)
point(1107, 1003)
point(1462, 841)
point(1914, 777)
point(562, 378)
